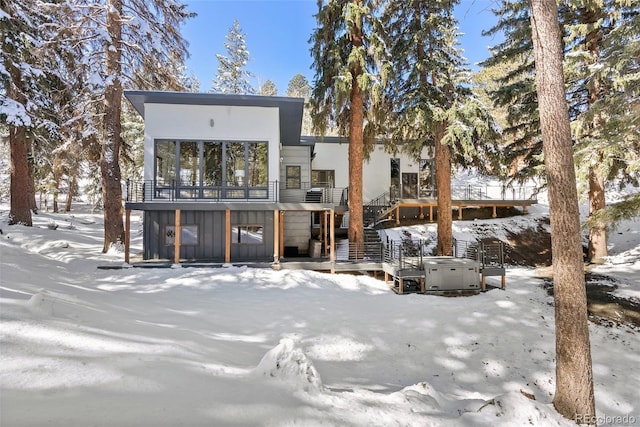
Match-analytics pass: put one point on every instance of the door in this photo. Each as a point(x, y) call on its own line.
point(409, 185)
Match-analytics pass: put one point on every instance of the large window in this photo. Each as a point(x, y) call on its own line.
point(323, 178)
point(213, 169)
point(247, 234)
point(293, 176)
point(165, 163)
point(188, 235)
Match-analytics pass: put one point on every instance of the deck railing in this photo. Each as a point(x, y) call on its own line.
point(150, 190)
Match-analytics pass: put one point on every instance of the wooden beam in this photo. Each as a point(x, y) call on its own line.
point(276, 236)
point(332, 235)
point(398, 214)
point(281, 233)
point(127, 234)
point(430, 213)
point(325, 214)
point(227, 243)
point(177, 238)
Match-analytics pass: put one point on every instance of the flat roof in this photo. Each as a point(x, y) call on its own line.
point(290, 109)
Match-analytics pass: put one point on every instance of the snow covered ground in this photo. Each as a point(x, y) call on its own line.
point(82, 346)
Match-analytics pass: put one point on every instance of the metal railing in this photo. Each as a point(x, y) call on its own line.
point(151, 190)
point(492, 192)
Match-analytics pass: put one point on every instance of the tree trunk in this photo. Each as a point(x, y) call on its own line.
point(598, 233)
point(110, 156)
point(574, 396)
point(443, 184)
point(20, 210)
point(597, 249)
point(72, 190)
point(356, 149)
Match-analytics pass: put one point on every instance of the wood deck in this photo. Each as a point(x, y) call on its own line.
point(430, 204)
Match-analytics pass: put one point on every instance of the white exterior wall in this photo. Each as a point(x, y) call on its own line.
point(230, 123)
point(376, 172)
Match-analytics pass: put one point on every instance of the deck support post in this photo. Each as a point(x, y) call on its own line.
point(332, 235)
point(398, 214)
point(430, 213)
point(127, 234)
point(276, 236)
point(281, 251)
point(177, 238)
point(460, 212)
point(495, 213)
point(421, 216)
point(227, 243)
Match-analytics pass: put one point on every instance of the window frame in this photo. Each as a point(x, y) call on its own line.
point(186, 239)
point(289, 178)
point(237, 233)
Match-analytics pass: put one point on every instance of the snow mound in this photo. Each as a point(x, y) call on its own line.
point(289, 364)
point(513, 408)
point(421, 398)
point(40, 305)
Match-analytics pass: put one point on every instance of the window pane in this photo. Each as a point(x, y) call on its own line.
point(247, 234)
point(212, 167)
point(293, 176)
point(165, 162)
point(235, 164)
point(188, 235)
point(323, 178)
point(257, 165)
point(189, 168)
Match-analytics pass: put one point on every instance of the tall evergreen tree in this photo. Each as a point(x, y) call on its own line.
point(299, 88)
point(574, 395)
point(600, 72)
point(24, 73)
point(269, 89)
point(233, 77)
point(120, 37)
point(351, 69)
point(432, 103)
point(601, 154)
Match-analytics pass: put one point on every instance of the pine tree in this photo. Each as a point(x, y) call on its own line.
point(600, 41)
point(574, 377)
point(432, 103)
point(119, 45)
point(23, 73)
point(269, 89)
point(299, 88)
point(232, 77)
point(592, 75)
point(351, 69)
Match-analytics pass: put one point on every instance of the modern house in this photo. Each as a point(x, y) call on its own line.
point(228, 178)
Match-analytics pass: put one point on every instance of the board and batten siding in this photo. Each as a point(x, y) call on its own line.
point(211, 235)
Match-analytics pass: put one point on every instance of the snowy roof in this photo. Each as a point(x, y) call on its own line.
point(290, 108)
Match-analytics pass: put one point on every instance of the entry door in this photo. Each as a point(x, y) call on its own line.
point(409, 185)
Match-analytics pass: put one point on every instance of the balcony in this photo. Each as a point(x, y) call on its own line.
point(150, 191)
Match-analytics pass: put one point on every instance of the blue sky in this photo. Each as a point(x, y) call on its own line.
point(277, 34)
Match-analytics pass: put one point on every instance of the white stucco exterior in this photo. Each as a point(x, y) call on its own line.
point(376, 173)
point(212, 123)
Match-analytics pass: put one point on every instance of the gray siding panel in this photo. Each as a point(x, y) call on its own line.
point(211, 235)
